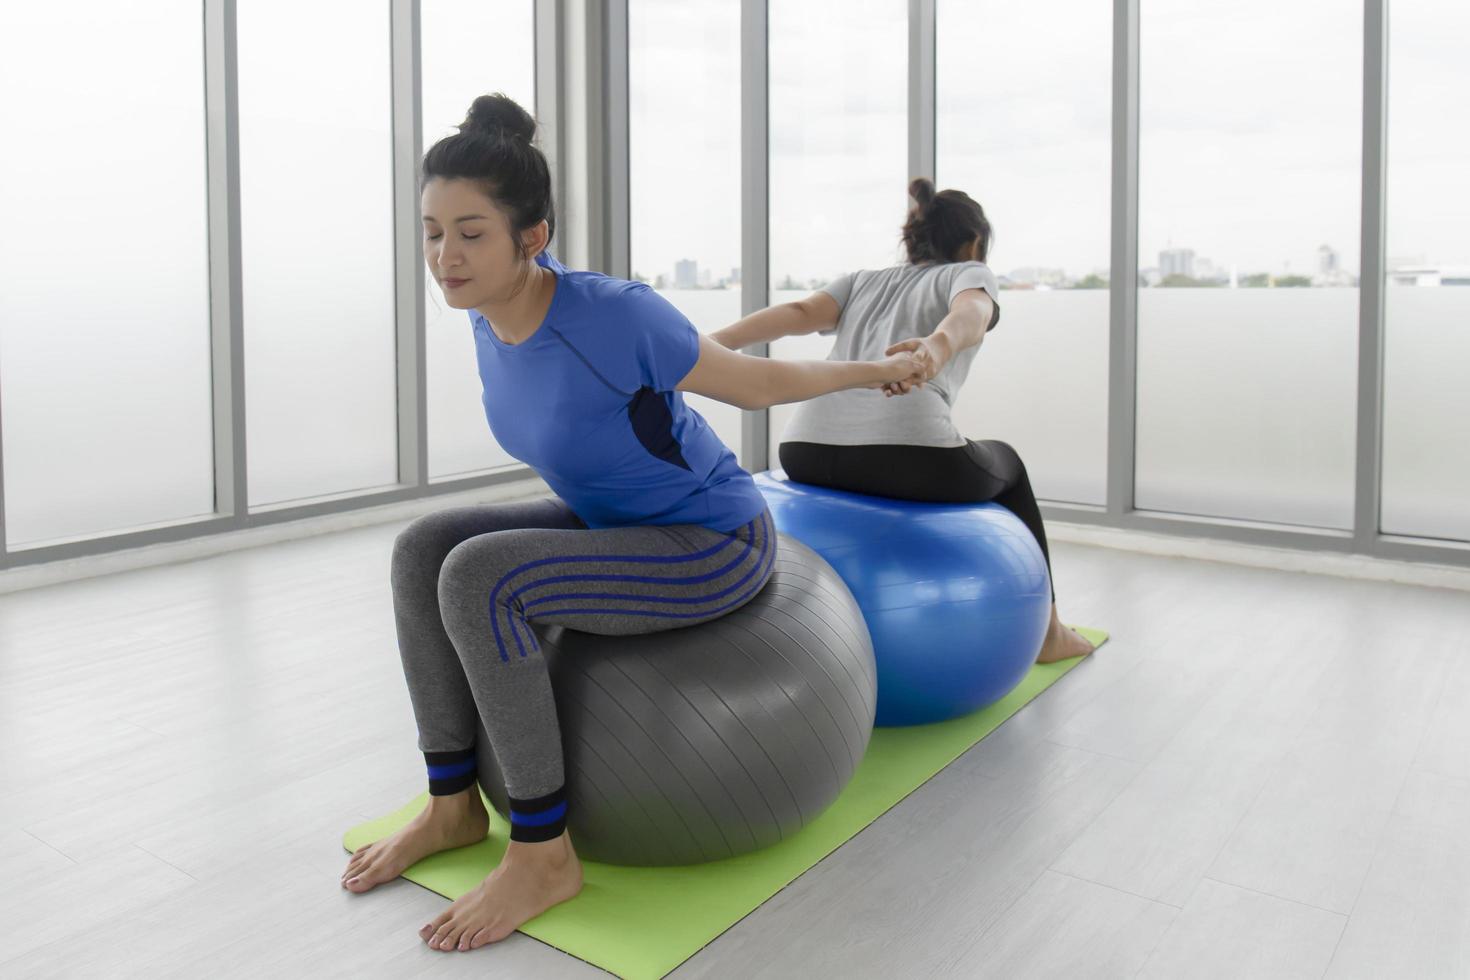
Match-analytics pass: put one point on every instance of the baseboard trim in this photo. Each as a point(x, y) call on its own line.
point(92, 566)
point(1261, 556)
point(1142, 542)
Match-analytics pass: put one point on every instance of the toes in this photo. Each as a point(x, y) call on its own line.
point(353, 867)
point(360, 860)
point(428, 931)
point(362, 880)
point(439, 930)
point(481, 938)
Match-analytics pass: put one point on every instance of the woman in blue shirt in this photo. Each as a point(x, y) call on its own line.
point(654, 524)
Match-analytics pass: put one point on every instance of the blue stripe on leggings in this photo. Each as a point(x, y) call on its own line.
point(654, 615)
point(452, 770)
point(649, 579)
point(542, 819)
point(747, 595)
point(709, 597)
point(644, 559)
point(765, 561)
point(517, 626)
point(642, 579)
point(684, 600)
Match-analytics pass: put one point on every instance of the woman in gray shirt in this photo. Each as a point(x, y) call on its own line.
point(939, 306)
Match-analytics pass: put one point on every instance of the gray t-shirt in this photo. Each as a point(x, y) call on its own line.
point(879, 309)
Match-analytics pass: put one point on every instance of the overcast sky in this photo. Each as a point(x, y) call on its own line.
point(1250, 124)
point(1250, 130)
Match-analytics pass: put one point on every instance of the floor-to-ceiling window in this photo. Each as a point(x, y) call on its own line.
point(1249, 198)
point(684, 165)
point(1024, 127)
point(119, 222)
point(838, 150)
point(316, 239)
point(469, 48)
point(104, 278)
point(1426, 403)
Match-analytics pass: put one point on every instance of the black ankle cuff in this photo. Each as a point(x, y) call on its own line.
point(451, 772)
point(540, 819)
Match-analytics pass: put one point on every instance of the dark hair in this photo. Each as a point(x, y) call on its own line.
point(494, 149)
point(939, 225)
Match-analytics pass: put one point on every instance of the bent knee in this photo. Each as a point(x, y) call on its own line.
point(482, 566)
point(420, 548)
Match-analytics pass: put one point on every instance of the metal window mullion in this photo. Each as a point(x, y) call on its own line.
point(4, 547)
point(614, 145)
point(5, 551)
point(921, 90)
point(1368, 487)
point(408, 263)
point(589, 128)
point(1123, 274)
point(755, 214)
point(550, 87)
point(226, 310)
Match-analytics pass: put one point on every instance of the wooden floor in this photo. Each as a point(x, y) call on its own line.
point(1263, 774)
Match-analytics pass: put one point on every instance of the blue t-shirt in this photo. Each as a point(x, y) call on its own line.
point(588, 402)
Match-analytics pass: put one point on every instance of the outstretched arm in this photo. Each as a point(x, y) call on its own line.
point(969, 317)
point(760, 382)
point(816, 312)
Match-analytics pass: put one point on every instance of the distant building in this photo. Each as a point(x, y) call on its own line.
point(1207, 271)
point(686, 274)
point(1176, 262)
point(1035, 276)
point(1429, 275)
point(1326, 260)
point(735, 276)
point(1330, 271)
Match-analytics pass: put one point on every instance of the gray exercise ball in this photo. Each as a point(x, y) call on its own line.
point(710, 741)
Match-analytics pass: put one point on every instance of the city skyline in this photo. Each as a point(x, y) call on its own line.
point(1244, 143)
point(1178, 266)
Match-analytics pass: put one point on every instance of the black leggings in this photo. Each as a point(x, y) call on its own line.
point(969, 474)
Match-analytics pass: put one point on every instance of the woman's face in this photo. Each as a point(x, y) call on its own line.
point(468, 245)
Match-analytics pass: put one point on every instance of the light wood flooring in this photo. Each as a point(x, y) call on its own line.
point(1264, 774)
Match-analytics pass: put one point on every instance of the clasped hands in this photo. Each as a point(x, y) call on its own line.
point(923, 357)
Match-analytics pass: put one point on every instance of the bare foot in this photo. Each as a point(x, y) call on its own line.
point(531, 879)
point(448, 821)
point(1062, 643)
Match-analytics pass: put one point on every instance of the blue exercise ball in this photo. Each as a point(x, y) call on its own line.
point(956, 596)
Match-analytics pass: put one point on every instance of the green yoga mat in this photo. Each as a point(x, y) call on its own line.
point(640, 923)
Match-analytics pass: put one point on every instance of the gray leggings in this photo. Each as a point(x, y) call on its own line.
point(468, 584)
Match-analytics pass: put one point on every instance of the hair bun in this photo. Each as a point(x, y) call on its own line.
point(499, 115)
point(921, 189)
